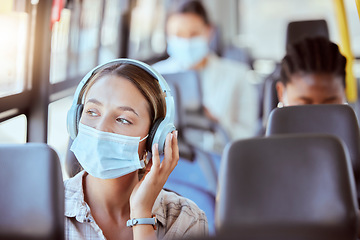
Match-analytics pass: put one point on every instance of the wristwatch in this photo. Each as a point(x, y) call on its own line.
point(147, 221)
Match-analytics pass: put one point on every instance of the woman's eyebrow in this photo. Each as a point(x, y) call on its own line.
point(93, 100)
point(123, 108)
point(126, 108)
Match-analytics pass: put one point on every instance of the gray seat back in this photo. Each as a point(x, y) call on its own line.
point(190, 113)
point(287, 187)
point(32, 192)
point(297, 30)
point(189, 89)
point(336, 119)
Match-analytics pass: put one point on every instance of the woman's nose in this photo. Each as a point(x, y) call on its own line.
point(105, 125)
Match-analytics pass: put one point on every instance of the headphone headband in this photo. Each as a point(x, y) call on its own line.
point(162, 127)
point(150, 70)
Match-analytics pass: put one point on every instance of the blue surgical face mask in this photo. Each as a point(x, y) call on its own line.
point(106, 155)
point(187, 51)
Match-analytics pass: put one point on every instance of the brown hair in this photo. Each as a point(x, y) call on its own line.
point(146, 83)
point(190, 6)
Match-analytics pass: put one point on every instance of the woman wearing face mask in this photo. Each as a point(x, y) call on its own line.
point(228, 96)
point(118, 106)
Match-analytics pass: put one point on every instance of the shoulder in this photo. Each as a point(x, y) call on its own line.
point(180, 216)
point(74, 196)
point(227, 65)
point(234, 74)
point(167, 66)
point(74, 184)
point(178, 204)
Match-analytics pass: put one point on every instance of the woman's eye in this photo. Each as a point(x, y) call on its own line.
point(123, 121)
point(91, 113)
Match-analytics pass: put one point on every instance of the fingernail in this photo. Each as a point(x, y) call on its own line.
point(171, 136)
point(176, 133)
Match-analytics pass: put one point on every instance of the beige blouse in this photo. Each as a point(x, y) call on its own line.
point(177, 217)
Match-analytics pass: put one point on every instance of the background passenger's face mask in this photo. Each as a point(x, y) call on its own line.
point(106, 155)
point(187, 51)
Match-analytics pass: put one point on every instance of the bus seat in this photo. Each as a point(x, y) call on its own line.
point(189, 86)
point(336, 119)
point(190, 112)
point(270, 98)
point(202, 172)
point(215, 43)
point(32, 192)
point(287, 187)
point(297, 30)
point(239, 54)
point(185, 150)
point(197, 180)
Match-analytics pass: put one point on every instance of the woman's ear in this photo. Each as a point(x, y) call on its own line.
point(280, 88)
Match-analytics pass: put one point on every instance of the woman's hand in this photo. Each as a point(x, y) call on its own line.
point(148, 188)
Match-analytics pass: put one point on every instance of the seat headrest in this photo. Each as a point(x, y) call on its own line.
point(32, 192)
point(311, 28)
point(336, 119)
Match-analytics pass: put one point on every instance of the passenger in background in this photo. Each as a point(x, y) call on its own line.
point(312, 72)
point(228, 96)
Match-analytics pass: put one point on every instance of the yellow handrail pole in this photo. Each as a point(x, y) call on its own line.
point(351, 85)
point(358, 6)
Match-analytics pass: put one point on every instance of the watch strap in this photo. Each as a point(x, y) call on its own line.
point(136, 221)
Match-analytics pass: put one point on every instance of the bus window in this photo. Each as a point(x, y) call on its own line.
point(89, 40)
point(84, 35)
point(13, 130)
point(110, 42)
point(14, 23)
point(262, 23)
point(147, 30)
point(59, 47)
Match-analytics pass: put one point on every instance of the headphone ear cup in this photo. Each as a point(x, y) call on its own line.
point(79, 110)
point(73, 119)
point(152, 134)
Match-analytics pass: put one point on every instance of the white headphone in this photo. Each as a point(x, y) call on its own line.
point(160, 128)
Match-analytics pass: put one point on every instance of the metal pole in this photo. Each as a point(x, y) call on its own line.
point(345, 47)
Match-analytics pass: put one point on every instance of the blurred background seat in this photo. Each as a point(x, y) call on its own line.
point(287, 187)
point(32, 192)
point(195, 125)
point(197, 181)
point(240, 54)
point(298, 30)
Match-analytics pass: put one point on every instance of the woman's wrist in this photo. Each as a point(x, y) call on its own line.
point(140, 213)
